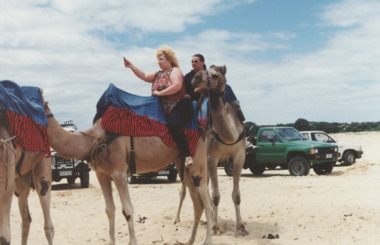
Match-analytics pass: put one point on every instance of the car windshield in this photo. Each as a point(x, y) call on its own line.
point(290, 134)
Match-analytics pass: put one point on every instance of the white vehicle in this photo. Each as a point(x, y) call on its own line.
point(348, 152)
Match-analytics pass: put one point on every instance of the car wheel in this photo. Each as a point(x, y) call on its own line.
point(71, 180)
point(299, 166)
point(84, 179)
point(349, 158)
point(228, 168)
point(257, 169)
point(132, 179)
point(172, 177)
point(324, 168)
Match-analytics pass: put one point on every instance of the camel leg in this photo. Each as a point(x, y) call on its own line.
point(121, 181)
point(105, 184)
point(240, 228)
point(22, 190)
point(212, 166)
point(201, 200)
point(206, 200)
point(198, 209)
point(42, 183)
point(7, 185)
point(182, 195)
point(6, 194)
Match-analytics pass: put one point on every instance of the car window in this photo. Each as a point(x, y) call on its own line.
point(290, 134)
point(306, 135)
point(266, 135)
point(321, 137)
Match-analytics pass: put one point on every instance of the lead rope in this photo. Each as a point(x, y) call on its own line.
point(4, 143)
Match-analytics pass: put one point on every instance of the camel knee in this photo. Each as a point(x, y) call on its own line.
point(44, 187)
point(127, 216)
point(237, 199)
point(3, 241)
point(196, 180)
point(17, 194)
point(216, 200)
point(29, 218)
point(110, 211)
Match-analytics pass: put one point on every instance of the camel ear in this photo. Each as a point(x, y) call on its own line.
point(41, 91)
point(224, 70)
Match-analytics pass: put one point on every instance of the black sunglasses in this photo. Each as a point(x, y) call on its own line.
point(194, 61)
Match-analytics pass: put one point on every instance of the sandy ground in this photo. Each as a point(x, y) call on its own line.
point(340, 208)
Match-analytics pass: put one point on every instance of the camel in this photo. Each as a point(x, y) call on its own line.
point(33, 168)
point(113, 164)
point(225, 140)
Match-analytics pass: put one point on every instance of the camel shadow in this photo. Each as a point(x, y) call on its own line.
point(162, 180)
point(65, 186)
point(257, 230)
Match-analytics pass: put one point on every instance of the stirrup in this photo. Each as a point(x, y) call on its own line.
point(188, 161)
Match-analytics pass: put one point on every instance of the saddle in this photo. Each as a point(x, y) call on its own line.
point(24, 114)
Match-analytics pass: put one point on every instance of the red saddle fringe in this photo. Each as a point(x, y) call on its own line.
point(30, 135)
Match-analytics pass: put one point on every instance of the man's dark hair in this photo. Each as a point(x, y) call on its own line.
point(201, 58)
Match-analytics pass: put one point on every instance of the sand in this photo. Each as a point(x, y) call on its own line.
point(340, 208)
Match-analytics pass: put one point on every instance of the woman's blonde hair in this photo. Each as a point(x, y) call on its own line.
point(169, 55)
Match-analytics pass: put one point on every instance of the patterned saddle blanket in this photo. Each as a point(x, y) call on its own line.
point(22, 110)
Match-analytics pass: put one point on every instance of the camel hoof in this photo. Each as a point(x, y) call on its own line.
point(241, 231)
point(215, 229)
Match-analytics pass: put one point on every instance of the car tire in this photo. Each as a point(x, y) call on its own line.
point(257, 169)
point(324, 168)
point(84, 179)
point(132, 179)
point(172, 177)
point(71, 180)
point(299, 166)
point(349, 158)
point(228, 168)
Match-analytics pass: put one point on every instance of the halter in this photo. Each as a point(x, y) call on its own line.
point(3, 143)
point(215, 93)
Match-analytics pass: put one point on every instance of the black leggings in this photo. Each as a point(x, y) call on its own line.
point(176, 121)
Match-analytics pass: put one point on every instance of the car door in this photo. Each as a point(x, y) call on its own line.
point(271, 148)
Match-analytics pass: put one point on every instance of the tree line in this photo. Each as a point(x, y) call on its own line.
point(329, 127)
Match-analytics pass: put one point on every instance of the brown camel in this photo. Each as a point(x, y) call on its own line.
point(225, 140)
point(112, 163)
point(33, 168)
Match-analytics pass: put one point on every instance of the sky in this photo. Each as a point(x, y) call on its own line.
point(318, 59)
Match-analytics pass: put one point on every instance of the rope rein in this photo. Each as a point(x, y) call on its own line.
point(4, 144)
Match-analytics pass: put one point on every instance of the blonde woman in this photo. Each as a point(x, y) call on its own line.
point(168, 85)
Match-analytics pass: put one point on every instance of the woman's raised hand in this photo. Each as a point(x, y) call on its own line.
point(127, 63)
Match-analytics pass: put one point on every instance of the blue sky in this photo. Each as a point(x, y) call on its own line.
point(317, 60)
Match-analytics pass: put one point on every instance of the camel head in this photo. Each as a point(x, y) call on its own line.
point(214, 78)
